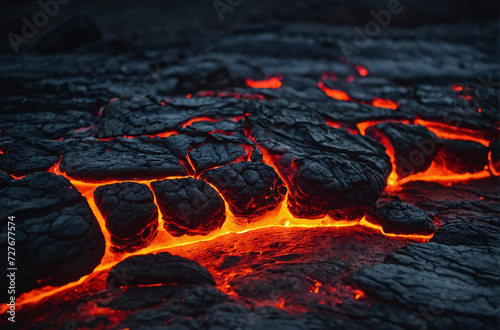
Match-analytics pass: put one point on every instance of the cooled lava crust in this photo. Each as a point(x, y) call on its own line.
point(249, 174)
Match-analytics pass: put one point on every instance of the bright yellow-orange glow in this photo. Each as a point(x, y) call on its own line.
point(491, 167)
point(333, 93)
point(272, 83)
point(358, 294)
point(453, 133)
point(279, 217)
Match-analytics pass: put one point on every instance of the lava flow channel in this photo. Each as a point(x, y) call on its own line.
point(438, 171)
point(279, 217)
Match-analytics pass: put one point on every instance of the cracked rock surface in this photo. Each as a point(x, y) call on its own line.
point(400, 218)
point(189, 206)
point(161, 93)
point(130, 213)
point(57, 238)
point(249, 188)
point(161, 268)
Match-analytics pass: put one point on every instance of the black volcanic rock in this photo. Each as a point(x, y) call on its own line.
point(210, 155)
point(161, 268)
point(21, 157)
point(467, 233)
point(44, 124)
point(328, 171)
point(249, 188)
point(189, 206)
point(5, 179)
point(463, 156)
point(415, 147)
point(121, 159)
point(449, 284)
point(400, 218)
point(58, 239)
point(130, 214)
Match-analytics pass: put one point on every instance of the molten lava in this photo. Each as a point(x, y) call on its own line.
point(342, 96)
point(271, 83)
point(361, 70)
point(453, 133)
point(279, 217)
point(333, 93)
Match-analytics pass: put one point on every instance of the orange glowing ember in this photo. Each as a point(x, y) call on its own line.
point(456, 88)
point(358, 294)
point(384, 103)
point(361, 70)
point(272, 83)
point(336, 94)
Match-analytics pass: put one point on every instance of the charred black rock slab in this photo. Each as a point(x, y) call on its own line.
point(464, 156)
point(415, 147)
point(58, 239)
point(210, 155)
point(5, 179)
point(189, 206)
point(130, 213)
point(249, 188)
point(121, 159)
point(161, 268)
point(145, 117)
point(452, 284)
point(400, 218)
point(134, 298)
point(44, 125)
point(328, 171)
point(467, 233)
point(25, 156)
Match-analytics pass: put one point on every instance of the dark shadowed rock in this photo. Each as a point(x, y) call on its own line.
point(69, 35)
point(189, 206)
point(415, 147)
point(210, 155)
point(161, 268)
point(5, 179)
point(44, 124)
point(27, 156)
point(463, 156)
point(249, 188)
point(467, 233)
point(328, 171)
point(454, 284)
point(400, 218)
point(58, 239)
point(130, 214)
point(121, 159)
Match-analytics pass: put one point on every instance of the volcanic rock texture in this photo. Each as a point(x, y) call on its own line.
point(190, 166)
